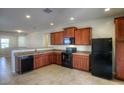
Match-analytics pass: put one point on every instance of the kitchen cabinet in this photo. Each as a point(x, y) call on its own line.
point(57, 38)
point(120, 60)
point(69, 32)
point(52, 38)
point(81, 62)
point(38, 60)
point(57, 58)
point(83, 36)
point(119, 26)
point(51, 57)
point(119, 53)
point(42, 59)
point(47, 59)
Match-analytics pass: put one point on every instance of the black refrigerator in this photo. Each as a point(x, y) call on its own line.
point(101, 58)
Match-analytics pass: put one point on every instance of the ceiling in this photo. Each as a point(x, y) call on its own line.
point(12, 19)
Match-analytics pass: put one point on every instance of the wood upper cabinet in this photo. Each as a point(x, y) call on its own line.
point(81, 62)
point(52, 38)
point(57, 38)
point(83, 36)
point(119, 26)
point(69, 32)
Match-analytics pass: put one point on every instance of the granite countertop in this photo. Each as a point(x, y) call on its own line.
point(48, 51)
point(35, 52)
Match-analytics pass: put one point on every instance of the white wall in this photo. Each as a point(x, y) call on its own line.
point(36, 39)
point(22, 41)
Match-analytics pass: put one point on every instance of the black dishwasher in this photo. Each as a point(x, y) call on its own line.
point(26, 64)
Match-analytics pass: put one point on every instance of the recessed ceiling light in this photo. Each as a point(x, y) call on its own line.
point(51, 23)
point(28, 16)
point(19, 31)
point(72, 18)
point(107, 9)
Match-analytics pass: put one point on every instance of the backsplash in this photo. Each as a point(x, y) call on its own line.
point(79, 48)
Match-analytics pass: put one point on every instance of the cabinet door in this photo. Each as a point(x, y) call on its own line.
point(86, 36)
point(78, 37)
point(81, 62)
point(52, 39)
point(120, 60)
point(59, 38)
point(50, 58)
point(69, 32)
point(119, 23)
point(37, 61)
point(58, 58)
point(83, 36)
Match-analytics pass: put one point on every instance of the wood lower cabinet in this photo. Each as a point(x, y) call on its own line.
point(57, 58)
point(120, 60)
point(42, 59)
point(38, 61)
point(83, 36)
point(81, 62)
point(47, 59)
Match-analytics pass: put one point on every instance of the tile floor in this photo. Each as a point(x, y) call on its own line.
point(50, 75)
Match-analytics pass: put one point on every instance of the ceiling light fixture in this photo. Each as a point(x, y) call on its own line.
point(107, 9)
point(71, 18)
point(28, 16)
point(19, 31)
point(51, 23)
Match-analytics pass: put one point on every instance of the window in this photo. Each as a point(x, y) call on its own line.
point(4, 43)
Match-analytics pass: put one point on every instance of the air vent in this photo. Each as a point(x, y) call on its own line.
point(47, 10)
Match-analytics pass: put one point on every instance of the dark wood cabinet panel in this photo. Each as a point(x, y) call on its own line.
point(69, 32)
point(52, 38)
point(38, 61)
point(42, 59)
point(47, 59)
point(120, 60)
point(57, 38)
point(83, 36)
point(57, 58)
point(119, 27)
point(81, 62)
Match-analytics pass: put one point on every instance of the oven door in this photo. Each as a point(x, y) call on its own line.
point(67, 60)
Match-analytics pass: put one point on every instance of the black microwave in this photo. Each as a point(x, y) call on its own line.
point(69, 41)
